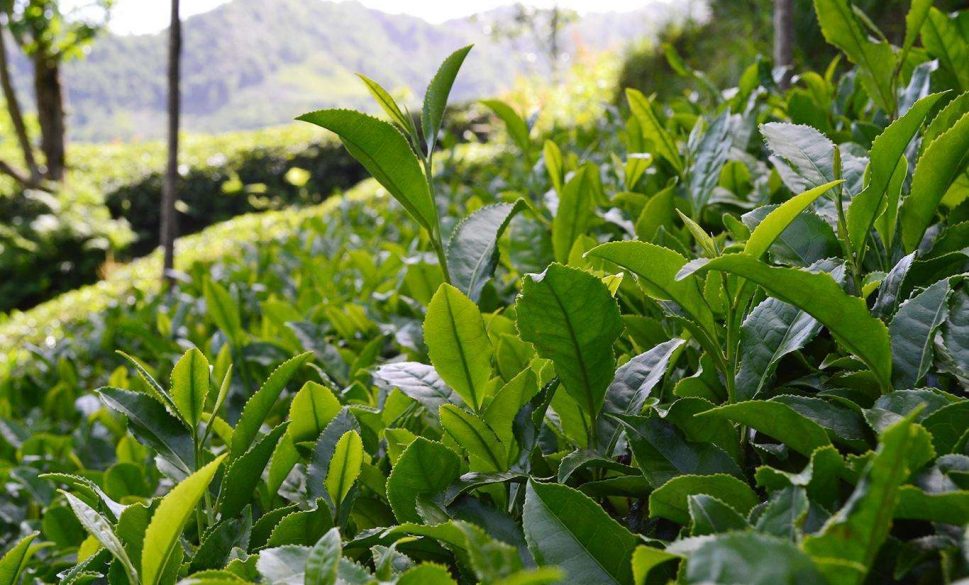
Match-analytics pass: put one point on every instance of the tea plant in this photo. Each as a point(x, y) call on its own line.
point(718, 343)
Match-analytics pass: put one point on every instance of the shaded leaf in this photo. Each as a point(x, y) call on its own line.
point(472, 253)
point(566, 528)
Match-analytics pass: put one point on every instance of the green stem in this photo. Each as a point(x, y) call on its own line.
point(846, 246)
point(441, 256)
point(199, 520)
point(435, 234)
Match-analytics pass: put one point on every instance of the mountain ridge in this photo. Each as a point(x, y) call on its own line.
point(302, 55)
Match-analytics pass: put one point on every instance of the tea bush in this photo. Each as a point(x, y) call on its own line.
point(715, 341)
point(52, 243)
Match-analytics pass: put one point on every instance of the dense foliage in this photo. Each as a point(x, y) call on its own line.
point(55, 242)
point(711, 341)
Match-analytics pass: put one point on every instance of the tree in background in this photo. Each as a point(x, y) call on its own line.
point(784, 39)
point(49, 36)
point(735, 32)
point(31, 177)
point(543, 25)
point(169, 220)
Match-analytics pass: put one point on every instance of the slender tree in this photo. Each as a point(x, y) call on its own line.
point(50, 34)
point(784, 39)
point(31, 177)
point(543, 26)
point(169, 220)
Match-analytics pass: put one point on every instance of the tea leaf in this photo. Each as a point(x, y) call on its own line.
point(245, 471)
point(472, 253)
point(425, 469)
point(323, 562)
point(572, 320)
point(657, 268)
point(913, 333)
point(170, 518)
point(152, 423)
point(223, 309)
point(257, 408)
point(458, 344)
point(737, 558)
point(98, 527)
point(856, 532)
point(768, 230)
point(517, 128)
point(886, 152)
point(943, 160)
point(566, 528)
point(474, 435)
point(943, 39)
point(671, 500)
point(876, 61)
point(575, 212)
point(653, 130)
point(14, 561)
point(435, 98)
point(777, 420)
point(190, 386)
point(344, 466)
point(803, 149)
point(384, 152)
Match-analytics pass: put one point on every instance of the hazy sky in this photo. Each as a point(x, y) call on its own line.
point(146, 16)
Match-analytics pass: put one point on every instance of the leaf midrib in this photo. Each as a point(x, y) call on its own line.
point(574, 537)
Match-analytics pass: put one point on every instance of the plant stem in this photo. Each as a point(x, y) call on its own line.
point(441, 256)
point(435, 234)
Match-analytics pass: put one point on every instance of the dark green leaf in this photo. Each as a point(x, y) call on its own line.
point(777, 420)
point(472, 253)
point(153, 424)
point(425, 469)
point(245, 471)
point(913, 333)
point(739, 558)
point(856, 532)
point(708, 515)
point(671, 501)
point(572, 320)
point(566, 528)
point(257, 408)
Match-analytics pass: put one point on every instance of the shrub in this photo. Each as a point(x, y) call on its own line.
point(259, 179)
point(52, 243)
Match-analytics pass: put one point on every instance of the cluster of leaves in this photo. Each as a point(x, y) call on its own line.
point(687, 354)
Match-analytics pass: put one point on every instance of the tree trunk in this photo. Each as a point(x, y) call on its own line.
point(784, 39)
point(16, 115)
point(169, 220)
point(50, 113)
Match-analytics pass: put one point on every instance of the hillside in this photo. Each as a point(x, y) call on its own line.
point(252, 63)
